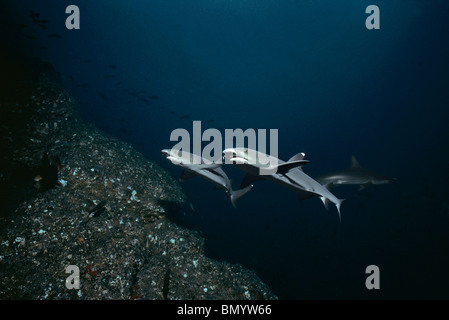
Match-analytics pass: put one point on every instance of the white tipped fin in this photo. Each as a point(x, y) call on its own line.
point(287, 166)
point(338, 205)
point(234, 195)
point(296, 157)
point(325, 202)
point(354, 162)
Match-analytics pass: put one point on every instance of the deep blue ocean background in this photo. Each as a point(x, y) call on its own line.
point(140, 69)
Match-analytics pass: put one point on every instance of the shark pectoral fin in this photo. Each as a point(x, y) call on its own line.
point(287, 166)
point(239, 193)
point(185, 175)
point(299, 156)
point(248, 180)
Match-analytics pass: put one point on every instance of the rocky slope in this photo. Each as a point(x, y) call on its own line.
point(73, 196)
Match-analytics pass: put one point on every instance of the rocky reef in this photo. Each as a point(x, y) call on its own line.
point(71, 195)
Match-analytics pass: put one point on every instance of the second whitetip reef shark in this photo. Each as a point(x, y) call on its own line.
point(355, 175)
point(288, 174)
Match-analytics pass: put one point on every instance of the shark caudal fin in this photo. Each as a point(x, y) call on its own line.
point(235, 195)
point(337, 204)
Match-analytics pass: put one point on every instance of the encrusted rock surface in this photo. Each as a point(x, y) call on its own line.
point(128, 250)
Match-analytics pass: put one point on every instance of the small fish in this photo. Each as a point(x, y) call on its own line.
point(191, 206)
point(103, 96)
point(30, 37)
point(86, 61)
point(124, 131)
point(98, 209)
point(154, 97)
point(111, 66)
point(146, 101)
point(55, 35)
point(186, 116)
point(109, 76)
point(43, 26)
point(34, 14)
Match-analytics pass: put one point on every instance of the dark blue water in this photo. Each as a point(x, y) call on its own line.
point(140, 69)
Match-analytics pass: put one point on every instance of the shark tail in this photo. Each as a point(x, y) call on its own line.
point(337, 204)
point(235, 195)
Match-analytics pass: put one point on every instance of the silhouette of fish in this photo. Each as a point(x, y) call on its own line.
point(154, 97)
point(55, 35)
point(34, 14)
point(124, 131)
point(186, 116)
point(98, 209)
point(103, 96)
point(30, 37)
point(146, 101)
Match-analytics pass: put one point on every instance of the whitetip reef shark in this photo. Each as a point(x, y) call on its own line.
point(288, 174)
point(355, 175)
point(195, 165)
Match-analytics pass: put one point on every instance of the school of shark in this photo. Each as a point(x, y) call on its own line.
point(289, 174)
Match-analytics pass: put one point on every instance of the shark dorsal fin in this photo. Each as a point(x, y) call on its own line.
point(297, 157)
point(287, 166)
point(354, 162)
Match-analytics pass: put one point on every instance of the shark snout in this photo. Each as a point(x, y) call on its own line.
point(228, 154)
